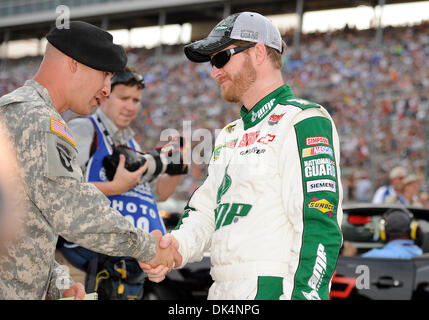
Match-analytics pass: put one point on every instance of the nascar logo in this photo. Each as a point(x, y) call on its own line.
point(308, 152)
point(322, 205)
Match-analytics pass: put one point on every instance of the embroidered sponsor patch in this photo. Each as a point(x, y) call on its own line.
point(319, 167)
point(216, 152)
point(252, 137)
point(254, 150)
point(259, 114)
point(230, 128)
point(217, 149)
point(248, 139)
point(308, 152)
point(60, 128)
point(321, 185)
point(275, 118)
point(311, 141)
point(322, 205)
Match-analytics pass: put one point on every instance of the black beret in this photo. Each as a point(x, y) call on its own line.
point(89, 45)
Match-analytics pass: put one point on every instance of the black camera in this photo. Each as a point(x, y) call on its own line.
point(165, 159)
point(132, 163)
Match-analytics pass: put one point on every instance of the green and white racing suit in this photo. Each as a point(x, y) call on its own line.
point(269, 211)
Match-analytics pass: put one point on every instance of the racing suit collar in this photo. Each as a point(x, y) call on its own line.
point(264, 106)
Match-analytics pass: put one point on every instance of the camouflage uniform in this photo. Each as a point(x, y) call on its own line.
point(58, 200)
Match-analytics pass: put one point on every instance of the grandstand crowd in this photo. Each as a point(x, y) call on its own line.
point(378, 96)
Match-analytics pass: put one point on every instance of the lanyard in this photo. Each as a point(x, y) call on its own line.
point(110, 140)
point(106, 133)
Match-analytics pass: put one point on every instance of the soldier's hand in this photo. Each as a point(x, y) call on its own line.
point(157, 274)
point(163, 261)
point(77, 291)
point(124, 180)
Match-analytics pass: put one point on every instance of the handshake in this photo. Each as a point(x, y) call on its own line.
point(167, 257)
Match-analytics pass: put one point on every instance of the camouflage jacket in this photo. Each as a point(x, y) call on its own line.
point(59, 202)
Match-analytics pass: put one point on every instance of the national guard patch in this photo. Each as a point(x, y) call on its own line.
point(61, 129)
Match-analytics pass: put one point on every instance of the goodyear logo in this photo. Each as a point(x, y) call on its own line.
point(322, 205)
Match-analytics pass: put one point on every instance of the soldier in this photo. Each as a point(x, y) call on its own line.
point(74, 75)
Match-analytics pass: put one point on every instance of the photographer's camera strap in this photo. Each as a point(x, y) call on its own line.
point(106, 133)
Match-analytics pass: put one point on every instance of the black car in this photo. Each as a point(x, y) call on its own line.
point(355, 277)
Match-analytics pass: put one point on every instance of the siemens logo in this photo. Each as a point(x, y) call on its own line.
point(321, 185)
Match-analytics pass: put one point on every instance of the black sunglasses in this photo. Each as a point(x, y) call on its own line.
point(220, 59)
point(126, 77)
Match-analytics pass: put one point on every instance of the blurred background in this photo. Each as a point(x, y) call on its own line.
point(366, 61)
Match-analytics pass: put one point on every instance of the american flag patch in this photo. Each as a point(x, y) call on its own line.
point(61, 129)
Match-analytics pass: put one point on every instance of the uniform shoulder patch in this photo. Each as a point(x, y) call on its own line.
point(60, 128)
point(65, 156)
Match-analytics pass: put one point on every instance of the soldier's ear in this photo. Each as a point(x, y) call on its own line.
point(72, 64)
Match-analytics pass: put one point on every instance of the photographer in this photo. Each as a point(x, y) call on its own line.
point(111, 159)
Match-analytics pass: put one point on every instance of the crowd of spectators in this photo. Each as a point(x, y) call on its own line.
point(378, 95)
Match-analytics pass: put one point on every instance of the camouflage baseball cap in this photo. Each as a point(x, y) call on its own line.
point(247, 26)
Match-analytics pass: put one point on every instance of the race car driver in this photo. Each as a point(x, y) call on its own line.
point(269, 211)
